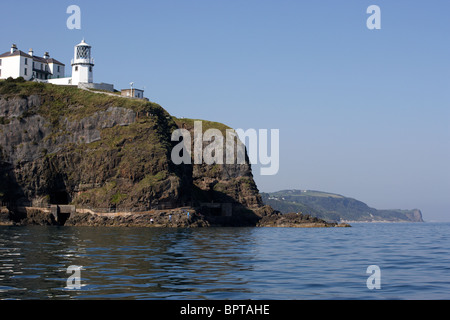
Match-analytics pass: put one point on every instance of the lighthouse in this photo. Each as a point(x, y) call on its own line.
point(82, 64)
point(16, 63)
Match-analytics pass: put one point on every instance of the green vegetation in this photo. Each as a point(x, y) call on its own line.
point(206, 125)
point(94, 159)
point(125, 156)
point(150, 181)
point(70, 102)
point(117, 198)
point(105, 91)
point(4, 120)
point(332, 207)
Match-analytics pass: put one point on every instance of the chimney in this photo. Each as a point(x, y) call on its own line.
point(46, 55)
point(13, 48)
point(30, 52)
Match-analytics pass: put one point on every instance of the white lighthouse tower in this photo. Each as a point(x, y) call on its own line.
point(82, 64)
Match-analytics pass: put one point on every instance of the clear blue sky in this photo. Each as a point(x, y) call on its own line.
point(361, 113)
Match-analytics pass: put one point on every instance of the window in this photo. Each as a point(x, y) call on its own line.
point(25, 71)
point(90, 69)
point(76, 68)
point(0, 71)
point(26, 61)
point(0, 62)
point(83, 52)
point(59, 69)
point(42, 66)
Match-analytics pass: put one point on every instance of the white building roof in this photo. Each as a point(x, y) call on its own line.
point(83, 44)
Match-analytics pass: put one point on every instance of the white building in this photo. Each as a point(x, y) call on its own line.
point(83, 70)
point(133, 93)
point(82, 64)
point(17, 63)
point(82, 67)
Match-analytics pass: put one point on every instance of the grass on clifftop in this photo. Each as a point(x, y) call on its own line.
point(69, 101)
point(74, 104)
point(206, 125)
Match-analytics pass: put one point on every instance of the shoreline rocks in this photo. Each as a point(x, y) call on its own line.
point(5, 218)
point(296, 220)
point(177, 218)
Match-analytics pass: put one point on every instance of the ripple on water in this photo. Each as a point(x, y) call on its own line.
point(226, 263)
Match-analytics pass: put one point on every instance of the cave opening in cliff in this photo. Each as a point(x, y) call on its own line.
point(212, 211)
point(59, 197)
point(216, 212)
point(62, 218)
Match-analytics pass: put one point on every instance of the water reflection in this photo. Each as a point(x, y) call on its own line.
point(229, 263)
point(123, 262)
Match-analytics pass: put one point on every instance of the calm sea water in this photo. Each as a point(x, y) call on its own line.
point(227, 263)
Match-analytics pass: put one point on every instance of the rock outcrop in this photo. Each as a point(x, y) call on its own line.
point(87, 149)
point(5, 217)
point(61, 145)
point(296, 220)
point(110, 157)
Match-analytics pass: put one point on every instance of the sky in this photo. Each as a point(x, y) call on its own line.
point(363, 113)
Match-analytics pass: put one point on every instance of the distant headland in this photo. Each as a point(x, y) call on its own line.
point(335, 207)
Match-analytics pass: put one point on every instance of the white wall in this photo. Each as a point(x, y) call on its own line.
point(82, 75)
point(15, 67)
point(137, 93)
point(39, 65)
point(28, 67)
point(10, 67)
point(54, 70)
point(60, 81)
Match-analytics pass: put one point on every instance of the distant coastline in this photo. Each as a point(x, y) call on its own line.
point(335, 207)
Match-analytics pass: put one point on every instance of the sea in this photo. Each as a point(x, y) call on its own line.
point(369, 261)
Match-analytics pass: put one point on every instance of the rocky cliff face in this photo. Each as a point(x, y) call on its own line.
point(61, 145)
point(225, 183)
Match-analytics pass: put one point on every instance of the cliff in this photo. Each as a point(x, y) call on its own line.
point(63, 145)
point(334, 207)
point(111, 157)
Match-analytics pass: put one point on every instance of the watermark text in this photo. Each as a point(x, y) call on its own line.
point(211, 147)
point(74, 21)
point(374, 281)
point(74, 281)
